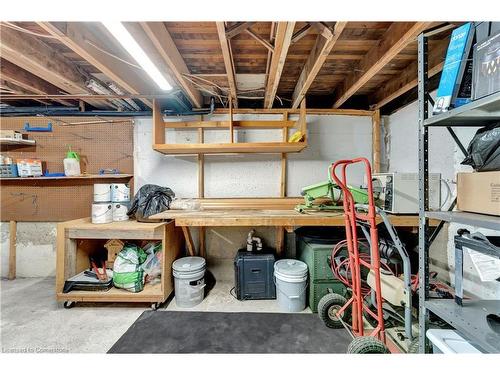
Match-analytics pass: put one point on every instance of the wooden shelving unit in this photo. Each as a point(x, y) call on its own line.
point(231, 147)
point(69, 178)
point(76, 239)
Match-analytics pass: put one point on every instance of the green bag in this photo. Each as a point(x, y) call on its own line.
point(127, 271)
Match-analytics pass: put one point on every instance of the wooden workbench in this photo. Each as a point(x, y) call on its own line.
point(277, 218)
point(282, 219)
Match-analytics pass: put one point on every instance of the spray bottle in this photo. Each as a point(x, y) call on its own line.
point(72, 163)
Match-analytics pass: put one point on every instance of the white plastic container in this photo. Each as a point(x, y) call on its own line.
point(120, 210)
point(189, 281)
point(120, 192)
point(291, 283)
point(102, 213)
point(102, 192)
point(448, 341)
point(72, 164)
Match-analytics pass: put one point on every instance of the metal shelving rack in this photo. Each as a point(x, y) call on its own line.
point(469, 319)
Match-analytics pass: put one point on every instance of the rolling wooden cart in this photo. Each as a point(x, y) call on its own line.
point(77, 239)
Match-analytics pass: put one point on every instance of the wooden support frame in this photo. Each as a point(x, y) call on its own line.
point(376, 142)
point(284, 146)
point(12, 249)
point(189, 241)
point(237, 29)
point(261, 40)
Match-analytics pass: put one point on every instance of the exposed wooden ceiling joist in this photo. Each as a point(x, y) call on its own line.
point(12, 88)
point(237, 28)
point(282, 42)
point(40, 59)
point(261, 40)
point(165, 45)
point(27, 81)
point(407, 80)
point(77, 36)
point(298, 35)
point(228, 62)
point(397, 37)
point(314, 62)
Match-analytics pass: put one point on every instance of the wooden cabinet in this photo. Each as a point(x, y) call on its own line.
point(77, 239)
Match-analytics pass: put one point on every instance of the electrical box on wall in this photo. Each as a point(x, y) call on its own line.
point(397, 192)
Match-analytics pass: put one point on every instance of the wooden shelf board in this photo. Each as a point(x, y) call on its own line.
point(150, 293)
point(229, 148)
point(130, 229)
point(17, 142)
point(262, 124)
point(82, 177)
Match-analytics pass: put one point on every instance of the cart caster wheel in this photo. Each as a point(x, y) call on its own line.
point(367, 345)
point(69, 304)
point(413, 346)
point(328, 307)
point(155, 306)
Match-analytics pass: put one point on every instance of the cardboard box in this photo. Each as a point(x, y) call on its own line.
point(479, 192)
point(10, 134)
point(29, 167)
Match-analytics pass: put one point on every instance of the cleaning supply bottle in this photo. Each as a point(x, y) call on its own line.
point(72, 163)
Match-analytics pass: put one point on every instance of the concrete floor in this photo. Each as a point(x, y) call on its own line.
point(32, 321)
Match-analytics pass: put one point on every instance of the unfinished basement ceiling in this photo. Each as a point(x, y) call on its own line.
point(260, 64)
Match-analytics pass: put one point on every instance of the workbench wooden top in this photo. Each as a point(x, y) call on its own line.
point(129, 229)
point(292, 218)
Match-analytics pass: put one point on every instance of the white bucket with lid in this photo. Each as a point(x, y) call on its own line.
point(189, 281)
point(102, 213)
point(290, 276)
point(102, 192)
point(120, 192)
point(120, 210)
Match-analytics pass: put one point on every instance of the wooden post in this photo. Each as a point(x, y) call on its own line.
point(202, 242)
point(201, 189)
point(231, 129)
point(302, 119)
point(189, 241)
point(158, 124)
point(283, 159)
point(376, 141)
point(280, 237)
point(12, 249)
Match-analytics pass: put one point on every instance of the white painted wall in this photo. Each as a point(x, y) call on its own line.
point(401, 135)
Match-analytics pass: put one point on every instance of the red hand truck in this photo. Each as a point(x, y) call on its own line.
point(374, 341)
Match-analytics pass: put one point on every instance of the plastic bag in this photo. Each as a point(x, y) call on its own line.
point(483, 153)
point(152, 264)
point(150, 200)
point(127, 271)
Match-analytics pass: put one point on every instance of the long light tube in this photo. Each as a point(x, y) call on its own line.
point(134, 49)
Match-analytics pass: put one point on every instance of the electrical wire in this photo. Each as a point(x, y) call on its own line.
point(112, 55)
point(448, 193)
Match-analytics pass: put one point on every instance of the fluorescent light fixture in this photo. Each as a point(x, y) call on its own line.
point(134, 49)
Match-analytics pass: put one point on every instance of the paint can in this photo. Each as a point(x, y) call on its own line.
point(102, 192)
point(102, 213)
point(120, 192)
point(120, 210)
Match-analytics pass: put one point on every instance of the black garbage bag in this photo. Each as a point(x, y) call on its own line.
point(483, 153)
point(150, 200)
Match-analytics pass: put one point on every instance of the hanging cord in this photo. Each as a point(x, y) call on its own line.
point(112, 55)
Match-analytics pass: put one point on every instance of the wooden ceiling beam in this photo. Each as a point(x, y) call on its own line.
point(27, 81)
point(261, 40)
point(12, 88)
point(407, 80)
point(159, 35)
point(282, 42)
point(237, 28)
point(314, 62)
point(394, 40)
point(38, 58)
point(77, 36)
point(301, 33)
point(228, 62)
point(322, 28)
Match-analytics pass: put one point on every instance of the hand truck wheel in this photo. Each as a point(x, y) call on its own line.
point(367, 345)
point(155, 306)
point(328, 307)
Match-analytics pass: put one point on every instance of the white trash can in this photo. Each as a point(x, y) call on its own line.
point(448, 341)
point(290, 276)
point(189, 281)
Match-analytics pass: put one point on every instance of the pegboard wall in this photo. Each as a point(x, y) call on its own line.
point(103, 143)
